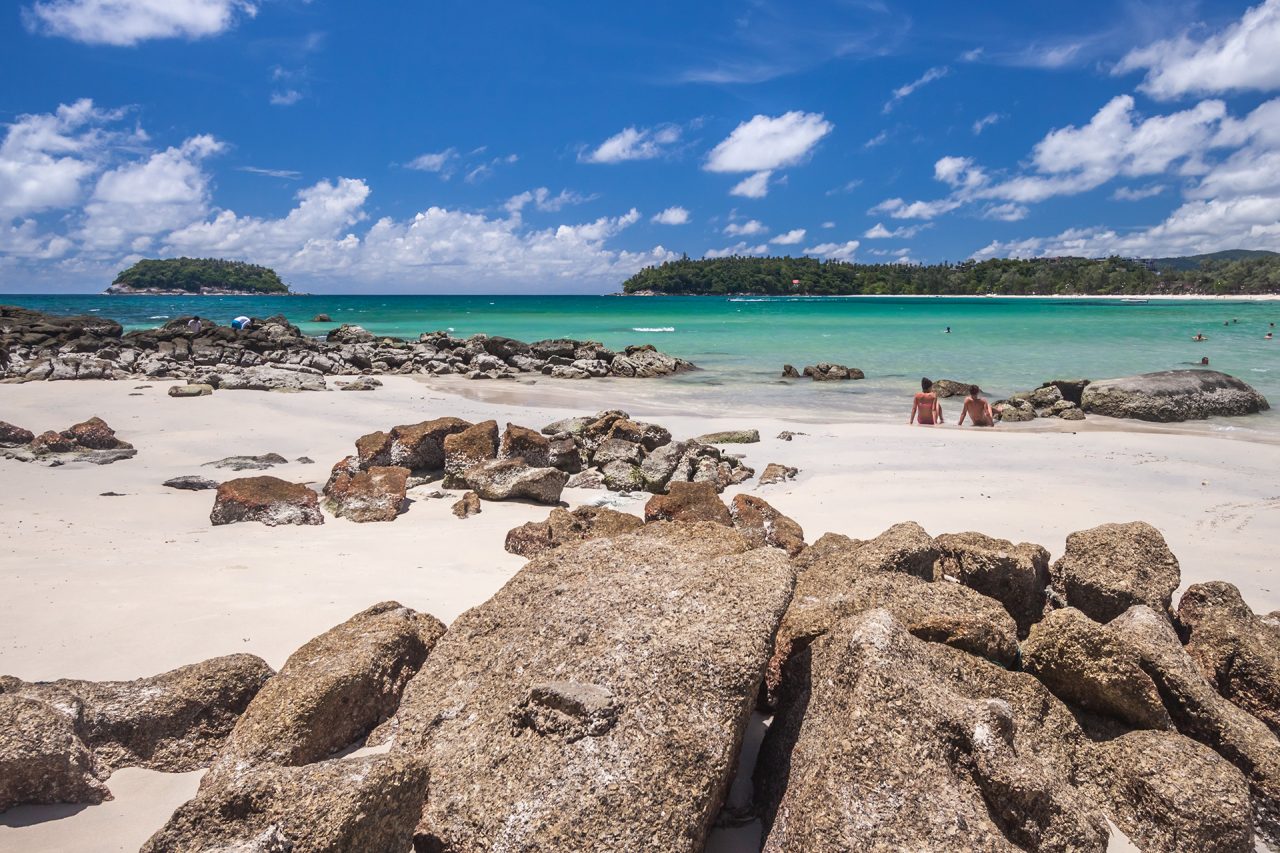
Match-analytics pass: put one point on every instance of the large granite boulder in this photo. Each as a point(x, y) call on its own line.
point(1107, 569)
point(761, 525)
point(468, 448)
point(13, 436)
point(420, 446)
point(1237, 652)
point(1086, 664)
point(688, 502)
point(269, 500)
point(173, 722)
point(339, 806)
point(513, 479)
point(331, 692)
point(1014, 575)
point(1172, 395)
point(373, 494)
point(1201, 714)
point(563, 527)
point(882, 745)
point(42, 759)
point(597, 702)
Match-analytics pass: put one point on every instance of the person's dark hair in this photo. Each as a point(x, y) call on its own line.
point(196, 317)
point(926, 383)
point(974, 390)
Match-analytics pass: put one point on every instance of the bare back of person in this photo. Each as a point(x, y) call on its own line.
point(925, 403)
point(978, 410)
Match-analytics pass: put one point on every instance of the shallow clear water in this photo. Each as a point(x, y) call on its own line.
point(742, 342)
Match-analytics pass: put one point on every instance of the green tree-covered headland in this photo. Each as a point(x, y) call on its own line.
point(1219, 273)
point(200, 276)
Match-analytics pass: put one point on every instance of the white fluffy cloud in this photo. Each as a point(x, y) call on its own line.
point(634, 143)
point(905, 232)
point(766, 143)
point(959, 172)
point(440, 162)
point(671, 216)
point(745, 229)
point(834, 251)
point(900, 209)
point(752, 186)
point(45, 159)
point(789, 238)
point(127, 22)
point(1244, 56)
point(740, 248)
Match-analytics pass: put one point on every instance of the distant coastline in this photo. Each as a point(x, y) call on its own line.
point(1117, 297)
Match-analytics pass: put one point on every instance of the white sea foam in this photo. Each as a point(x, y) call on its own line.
point(653, 328)
point(158, 317)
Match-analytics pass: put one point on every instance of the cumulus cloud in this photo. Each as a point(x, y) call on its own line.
point(766, 143)
point(1137, 193)
point(900, 209)
point(906, 90)
point(746, 229)
point(959, 172)
point(127, 22)
point(1007, 212)
point(752, 186)
point(739, 249)
point(634, 143)
point(1243, 57)
point(671, 216)
point(790, 238)
point(905, 232)
point(543, 200)
point(834, 251)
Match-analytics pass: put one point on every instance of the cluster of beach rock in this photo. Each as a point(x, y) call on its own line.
point(1057, 398)
point(272, 354)
point(607, 450)
point(88, 441)
point(928, 693)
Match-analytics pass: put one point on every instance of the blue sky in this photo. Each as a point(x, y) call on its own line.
point(533, 147)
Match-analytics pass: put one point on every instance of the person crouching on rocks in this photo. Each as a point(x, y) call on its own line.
point(978, 409)
point(925, 408)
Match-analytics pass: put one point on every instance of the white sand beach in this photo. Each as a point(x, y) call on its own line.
point(117, 587)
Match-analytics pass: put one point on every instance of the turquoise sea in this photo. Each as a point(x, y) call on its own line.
point(742, 342)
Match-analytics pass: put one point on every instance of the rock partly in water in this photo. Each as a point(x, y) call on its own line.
point(331, 692)
point(598, 700)
point(338, 806)
point(563, 527)
point(1014, 575)
point(269, 500)
point(1237, 652)
point(1107, 569)
point(826, 372)
point(1172, 395)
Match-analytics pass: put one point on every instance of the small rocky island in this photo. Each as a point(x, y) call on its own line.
point(198, 277)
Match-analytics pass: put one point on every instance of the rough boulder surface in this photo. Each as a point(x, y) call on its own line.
point(508, 479)
point(1172, 395)
point(89, 441)
point(331, 692)
point(1109, 568)
point(374, 494)
point(12, 436)
point(1087, 664)
point(527, 444)
point(688, 502)
point(775, 473)
point(891, 753)
point(467, 506)
point(1014, 575)
point(761, 525)
point(563, 527)
point(598, 700)
point(269, 500)
point(420, 446)
point(248, 463)
point(340, 806)
point(173, 722)
point(191, 483)
point(1237, 652)
point(468, 448)
point(1201, 714)
point(42, 759)
point(826, 372)
point(733, 436)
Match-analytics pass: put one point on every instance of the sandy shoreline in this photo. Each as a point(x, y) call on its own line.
point(121, 587)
